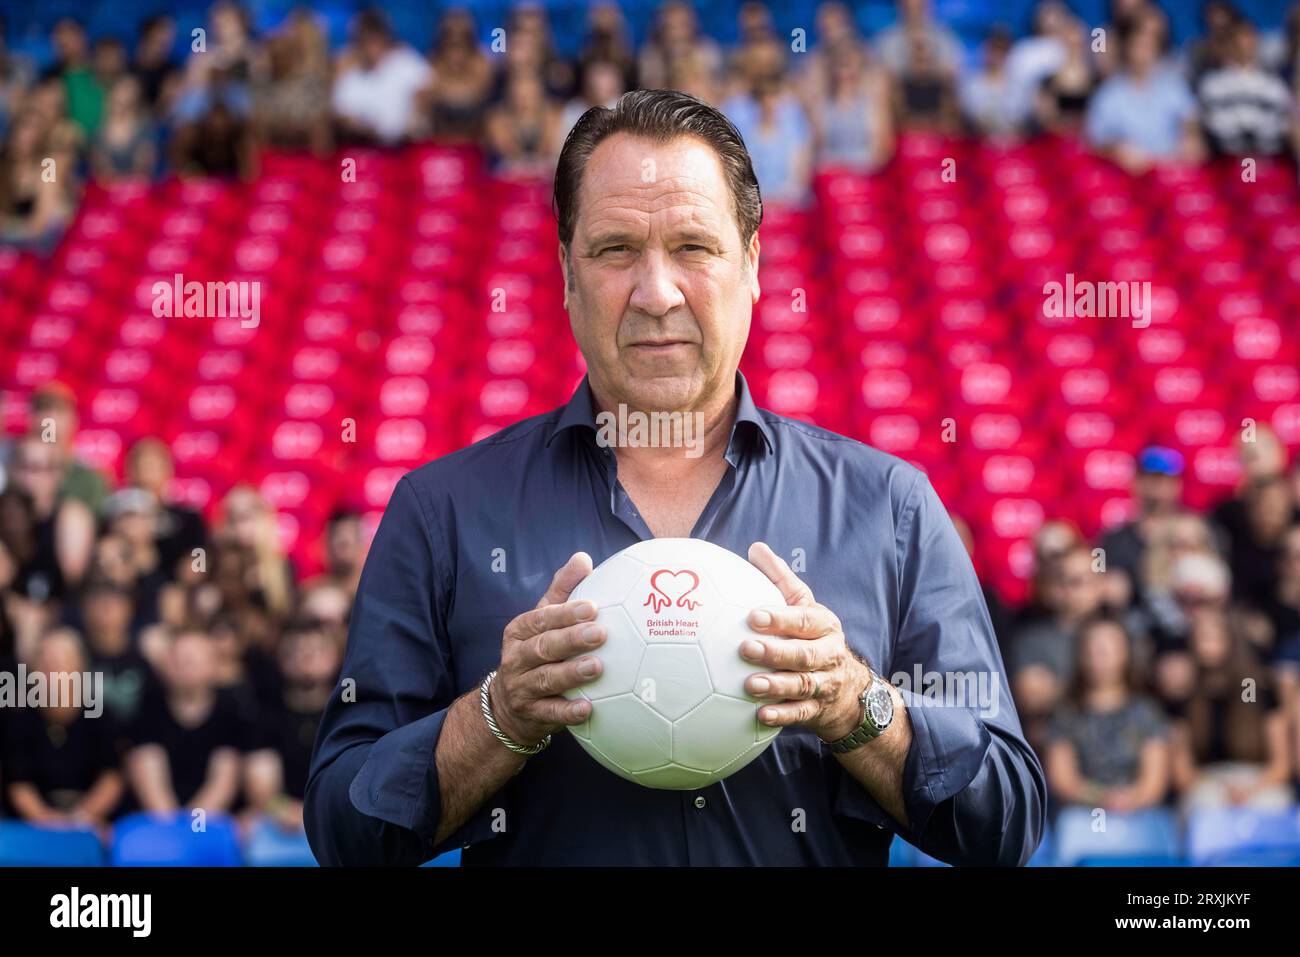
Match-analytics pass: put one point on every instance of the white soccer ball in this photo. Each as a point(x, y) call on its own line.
point(670, 709)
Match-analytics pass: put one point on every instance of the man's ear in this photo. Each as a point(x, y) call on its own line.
point(564, 273)
point(751, 255)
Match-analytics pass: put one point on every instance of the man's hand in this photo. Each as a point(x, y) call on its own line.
point(527, 694)
point(816, 679)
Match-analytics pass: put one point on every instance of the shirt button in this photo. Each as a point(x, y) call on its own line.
point(700, 801)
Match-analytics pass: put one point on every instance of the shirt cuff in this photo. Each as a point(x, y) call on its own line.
point(948, 748)
point(398, 783)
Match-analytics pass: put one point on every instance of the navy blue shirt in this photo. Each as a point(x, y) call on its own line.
point(863, 529)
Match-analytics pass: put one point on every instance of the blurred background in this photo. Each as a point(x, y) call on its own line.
point(186, 501)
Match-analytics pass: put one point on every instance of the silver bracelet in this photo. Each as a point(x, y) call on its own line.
point(514, 746)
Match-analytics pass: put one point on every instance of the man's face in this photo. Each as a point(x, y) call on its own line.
point(661, 284)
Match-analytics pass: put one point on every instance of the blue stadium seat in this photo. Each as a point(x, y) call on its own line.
point(1238, 837)
point(903, 854)
point(1045, 855)
point(148, 840)
point(26, 845)
point(271, 846)
point(450, 859)
point(1145, 836)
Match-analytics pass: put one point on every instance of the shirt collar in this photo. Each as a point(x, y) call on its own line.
point(579, 411)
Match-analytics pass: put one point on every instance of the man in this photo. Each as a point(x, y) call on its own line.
point(53, 417)
point(658, 214)
point(1158, 491)
point(1246, 109)
point(1145, 115)
point(178, 530)
point(375, 95)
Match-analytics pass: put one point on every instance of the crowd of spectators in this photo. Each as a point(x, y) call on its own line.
point(131, 106)
point(1157, 666)
point(216, 659)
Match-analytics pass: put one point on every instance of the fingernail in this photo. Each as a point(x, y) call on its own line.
point(752, 649)
point(587, 667)
point(768, 715)
point(579, 710)
point(591, 634)
point(759, 685)
point(586, 610)
point(761, 619)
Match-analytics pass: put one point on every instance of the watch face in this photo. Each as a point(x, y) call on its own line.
point(880, 706)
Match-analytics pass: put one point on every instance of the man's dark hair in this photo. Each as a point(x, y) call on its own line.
point(660, 116)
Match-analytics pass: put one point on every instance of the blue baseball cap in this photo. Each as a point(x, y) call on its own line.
point(1160, 460)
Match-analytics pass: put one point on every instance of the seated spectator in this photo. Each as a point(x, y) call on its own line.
point(154, 64)
point(1126, 16)
point(247, 534)
point(898, 45)
point(990, 99)
point(276, 772)
point(1032, 59)
point(1216, 47)
point(178, 530)
point(675, 38)
point(1246, 110)
point(601, 84)
point(34, 209)
point(1171, 537)
point(106, 613)
point(925, 96)
point(608, 42)
point(779, 138)
point(836, 35)
point(1144, 115)
point(85, 96)
point(132, 514)
point(1109, 743)
point(63, 529)
point(1283, 611)
point(854, 120)
point(1061, 105)
point(1158, 492)
point(1255, 546)
point(458, 98)
point(523, 130)
point(16, 74)
point(379, 78)
point(53, 417)
point(60, 764)
point(124, 145)
point(1043, 653)
point(187, 740)
point(345, 551)
point(1230, 741)
point(291, 90)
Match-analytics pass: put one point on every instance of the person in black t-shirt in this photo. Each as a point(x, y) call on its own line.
point(107, 608)
point(187, 740)
point(310, 658)
point(60, 765)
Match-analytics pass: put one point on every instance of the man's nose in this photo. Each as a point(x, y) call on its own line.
point(656, 292)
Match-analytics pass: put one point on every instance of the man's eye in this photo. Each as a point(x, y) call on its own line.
point(694, 247)
point(617, 248)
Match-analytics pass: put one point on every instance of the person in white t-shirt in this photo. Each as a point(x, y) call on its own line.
point(376, 94)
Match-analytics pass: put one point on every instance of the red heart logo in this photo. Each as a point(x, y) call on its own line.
point(672, 588)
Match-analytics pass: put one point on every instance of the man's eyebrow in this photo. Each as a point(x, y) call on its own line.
point(612, 236)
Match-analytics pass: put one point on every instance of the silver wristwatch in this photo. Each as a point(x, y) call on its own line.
point(877, 715)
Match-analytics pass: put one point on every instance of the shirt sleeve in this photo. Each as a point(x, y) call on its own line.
point(372, 795)
point(973, 789)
